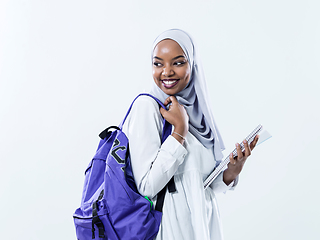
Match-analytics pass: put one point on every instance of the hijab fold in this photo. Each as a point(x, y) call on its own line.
point(194, 97)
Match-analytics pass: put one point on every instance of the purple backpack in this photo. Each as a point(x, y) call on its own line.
point(111, 207)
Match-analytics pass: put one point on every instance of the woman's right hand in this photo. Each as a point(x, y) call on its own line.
point(177, 116)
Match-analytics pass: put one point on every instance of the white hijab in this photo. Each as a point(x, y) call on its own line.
point(194, 97)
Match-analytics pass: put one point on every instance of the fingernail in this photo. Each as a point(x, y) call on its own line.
point(244, 141)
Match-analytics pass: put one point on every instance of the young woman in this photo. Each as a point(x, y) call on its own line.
point(190, 153)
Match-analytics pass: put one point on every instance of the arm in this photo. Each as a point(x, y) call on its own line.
point(153, 164)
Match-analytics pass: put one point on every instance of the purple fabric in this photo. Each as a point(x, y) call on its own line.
point(125, 214)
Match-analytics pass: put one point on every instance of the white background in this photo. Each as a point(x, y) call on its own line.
point(68, 69)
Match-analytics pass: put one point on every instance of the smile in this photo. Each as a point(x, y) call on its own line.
point(169, 83)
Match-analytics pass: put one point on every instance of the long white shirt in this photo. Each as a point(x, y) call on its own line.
point(191, 213)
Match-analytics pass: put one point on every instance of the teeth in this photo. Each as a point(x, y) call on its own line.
point(169, 82)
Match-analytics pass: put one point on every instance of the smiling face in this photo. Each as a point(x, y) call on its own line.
point(170, 68)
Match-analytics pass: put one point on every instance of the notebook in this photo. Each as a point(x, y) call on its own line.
point(262, 138)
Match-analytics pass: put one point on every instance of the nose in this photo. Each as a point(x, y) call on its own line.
point(167, 71)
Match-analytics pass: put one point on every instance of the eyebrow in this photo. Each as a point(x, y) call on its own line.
point(172, 58)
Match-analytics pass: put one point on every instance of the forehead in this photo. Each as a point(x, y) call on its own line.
point(168, 46)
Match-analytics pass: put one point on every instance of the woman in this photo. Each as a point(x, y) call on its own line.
point(190, 153)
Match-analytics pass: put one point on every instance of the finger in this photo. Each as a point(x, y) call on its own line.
point(173, 100)
point(247, 151)
point(167, 101)
point(239, 152)
point(254, 142)
point(231, 159)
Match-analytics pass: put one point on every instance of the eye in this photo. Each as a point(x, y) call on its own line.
point(179, 63)
point(157, 64)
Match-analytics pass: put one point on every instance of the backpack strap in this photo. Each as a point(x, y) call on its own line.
point(166, 131)
point(160, 198)
point(167, 127)
point(95, 218)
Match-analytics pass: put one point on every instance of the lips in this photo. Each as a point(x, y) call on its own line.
point(169, 83)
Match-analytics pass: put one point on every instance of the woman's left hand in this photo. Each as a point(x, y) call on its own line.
point(236, 163)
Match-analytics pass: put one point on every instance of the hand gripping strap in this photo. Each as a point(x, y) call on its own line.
point(166, 131)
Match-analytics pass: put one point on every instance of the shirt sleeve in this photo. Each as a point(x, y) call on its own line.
point(218, 185)
point(153, 164)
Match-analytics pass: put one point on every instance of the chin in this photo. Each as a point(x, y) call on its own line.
point(170, 92)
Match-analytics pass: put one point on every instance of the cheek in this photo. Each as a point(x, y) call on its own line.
point(156, 73)
point(185, 73)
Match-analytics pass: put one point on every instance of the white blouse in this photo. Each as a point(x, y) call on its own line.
point(190, 213)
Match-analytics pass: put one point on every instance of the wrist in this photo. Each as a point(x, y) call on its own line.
point(178, 137)
point(228, 177)
point(181, 131)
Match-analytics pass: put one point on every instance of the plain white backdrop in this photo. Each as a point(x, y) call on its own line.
point(68, 69)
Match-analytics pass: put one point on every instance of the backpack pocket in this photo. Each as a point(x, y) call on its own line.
point(89, 228)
